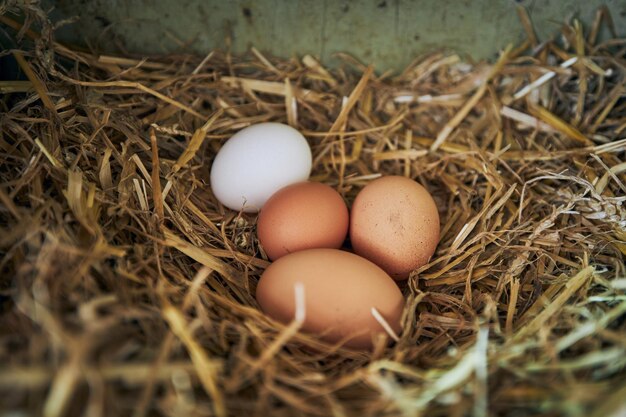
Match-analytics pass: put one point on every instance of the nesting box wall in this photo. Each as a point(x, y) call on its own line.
point(385, 33)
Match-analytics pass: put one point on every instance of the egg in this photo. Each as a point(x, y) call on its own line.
point(304, 215)
point(258, 161)
point(340, 291)
point(394, 223)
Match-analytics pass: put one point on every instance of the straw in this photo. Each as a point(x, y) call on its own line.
point(127, 289)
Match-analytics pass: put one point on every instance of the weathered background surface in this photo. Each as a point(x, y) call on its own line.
point(386, 33)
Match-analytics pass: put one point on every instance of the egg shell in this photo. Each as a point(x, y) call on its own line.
point(258, 161)
point(394, 223)
point(340, 290)
point(302, 216)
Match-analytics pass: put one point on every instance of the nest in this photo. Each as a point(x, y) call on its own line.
point(127, 289)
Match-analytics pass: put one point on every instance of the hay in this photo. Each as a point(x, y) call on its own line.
point(128, 290)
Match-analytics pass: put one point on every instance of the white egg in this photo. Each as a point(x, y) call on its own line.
point(258, 161)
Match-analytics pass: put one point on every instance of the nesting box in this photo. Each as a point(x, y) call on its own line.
point(127, 288)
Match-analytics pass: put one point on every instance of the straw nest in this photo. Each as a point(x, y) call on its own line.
point(128, 290)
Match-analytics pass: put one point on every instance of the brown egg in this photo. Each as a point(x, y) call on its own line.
point(395, 224)
point(301, 216)
point(340, 290)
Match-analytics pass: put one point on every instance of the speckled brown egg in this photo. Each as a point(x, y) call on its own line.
point(394, 223)
point(301, 216)
point(340, 290)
